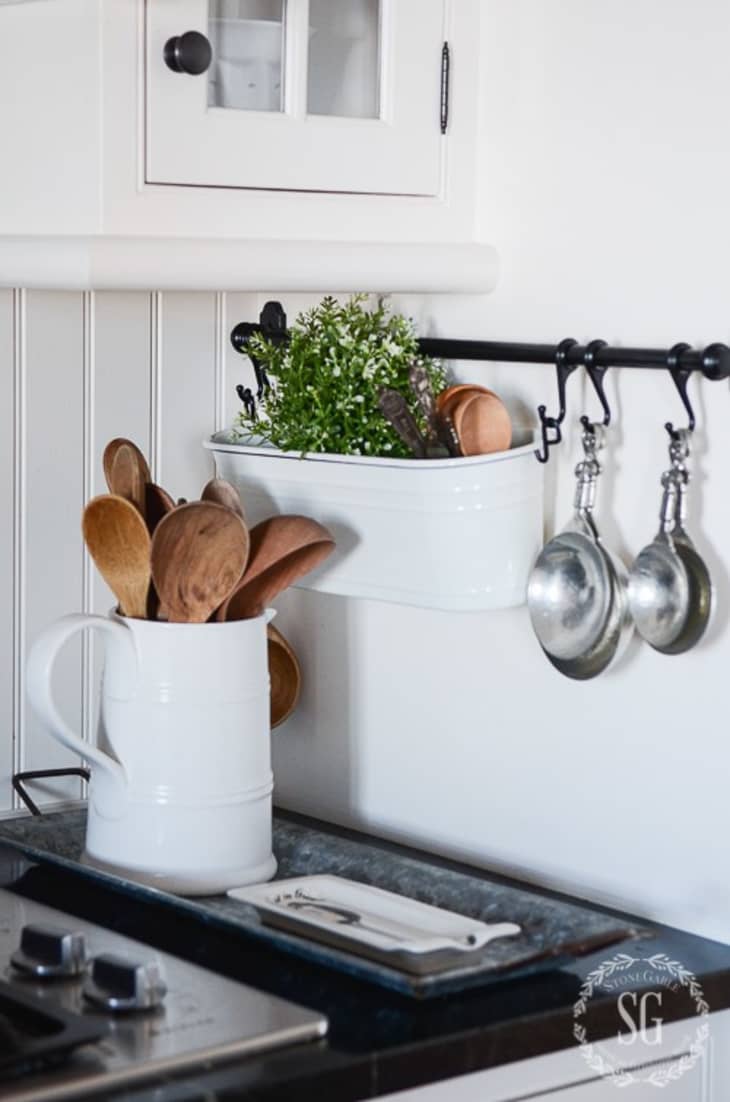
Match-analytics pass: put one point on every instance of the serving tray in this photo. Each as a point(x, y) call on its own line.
point(553, 930)
point(370, 922)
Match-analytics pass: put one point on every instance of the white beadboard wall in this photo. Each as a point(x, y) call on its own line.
point(77, 369)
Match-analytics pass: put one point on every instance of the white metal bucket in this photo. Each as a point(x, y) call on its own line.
point(459, 534)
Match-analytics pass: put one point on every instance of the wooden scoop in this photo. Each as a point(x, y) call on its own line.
point(199, 552)
point(224, 494)
point(482, 424)
point(126, 471)
point(119, 543)
point(285, 675)
point(283, 549)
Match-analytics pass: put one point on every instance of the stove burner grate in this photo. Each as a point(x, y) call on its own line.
point(34, 1034)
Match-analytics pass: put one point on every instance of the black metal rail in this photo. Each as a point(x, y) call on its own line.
point(713, 362)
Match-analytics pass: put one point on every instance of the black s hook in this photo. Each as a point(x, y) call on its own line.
point(680, 376)
point(595, 373)
point(551, 425)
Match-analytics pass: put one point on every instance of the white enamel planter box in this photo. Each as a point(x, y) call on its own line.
point(456, 534)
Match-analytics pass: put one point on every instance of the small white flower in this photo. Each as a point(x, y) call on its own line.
point(359, 398)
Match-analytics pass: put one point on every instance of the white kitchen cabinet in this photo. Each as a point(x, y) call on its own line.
point(307, 155)
point(300, 95)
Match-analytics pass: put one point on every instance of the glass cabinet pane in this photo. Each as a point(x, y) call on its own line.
point(344, 58)
point(247, 37)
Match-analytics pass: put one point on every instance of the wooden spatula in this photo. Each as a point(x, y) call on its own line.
point(199, 553)
point(119, 543)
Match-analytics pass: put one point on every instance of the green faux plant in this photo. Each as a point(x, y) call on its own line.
point(328, 376)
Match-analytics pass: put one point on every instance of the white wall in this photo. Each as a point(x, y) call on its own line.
point(606, 173)
point(606, 157)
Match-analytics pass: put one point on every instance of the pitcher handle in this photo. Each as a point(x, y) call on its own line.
point(120, 680)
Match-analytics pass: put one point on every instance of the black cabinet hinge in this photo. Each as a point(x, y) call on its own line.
point(445, 73)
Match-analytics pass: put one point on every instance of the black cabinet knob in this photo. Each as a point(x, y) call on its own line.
point(188, 53)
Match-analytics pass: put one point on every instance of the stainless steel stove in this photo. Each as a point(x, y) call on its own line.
point(84, 1009)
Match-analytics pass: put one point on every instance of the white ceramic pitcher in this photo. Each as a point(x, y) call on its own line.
point(181, 782)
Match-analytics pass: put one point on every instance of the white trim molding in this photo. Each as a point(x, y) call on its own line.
point(105, 263)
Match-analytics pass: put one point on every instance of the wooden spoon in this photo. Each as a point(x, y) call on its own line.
point(199, 552)
point(482, 424)
point(225, 494)
point(108, 458)
point(157, 504)
point(283, 549)
point(110, 452)
point(127, 472)
point(285, 674)
point(119, 543)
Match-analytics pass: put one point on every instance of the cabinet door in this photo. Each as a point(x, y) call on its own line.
point(314, 95)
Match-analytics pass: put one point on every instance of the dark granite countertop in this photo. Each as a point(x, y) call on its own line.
point(380, 1040)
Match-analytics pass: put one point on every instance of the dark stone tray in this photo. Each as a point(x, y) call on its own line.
point(554, 930)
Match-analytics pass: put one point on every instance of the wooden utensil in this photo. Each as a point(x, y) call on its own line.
point(199, 552)
point(126, 471)
point(224, 493)
point(437, 446)
point(283, 549)
point(108, 457)
point(119, 543)
point(394, 408)
point(446, 404)
point(448, 399)
point(483, 425)
point(157, 504)
point(285, 674)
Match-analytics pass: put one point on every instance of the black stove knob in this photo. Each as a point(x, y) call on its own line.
point(48, 952)
point(119, 984)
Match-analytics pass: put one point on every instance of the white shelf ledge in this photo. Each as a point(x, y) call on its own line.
point(177, 264)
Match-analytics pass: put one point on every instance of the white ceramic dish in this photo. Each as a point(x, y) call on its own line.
point(454, 534)
point(412, 936)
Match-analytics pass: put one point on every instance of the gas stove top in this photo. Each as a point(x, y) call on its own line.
point(85, 1009)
